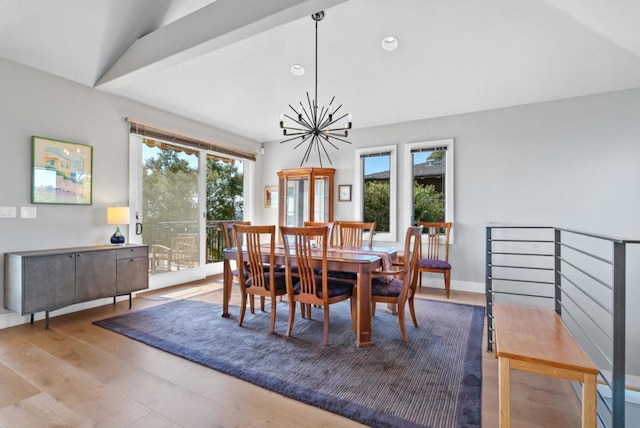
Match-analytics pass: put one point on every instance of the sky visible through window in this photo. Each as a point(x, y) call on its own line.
point(381, 163)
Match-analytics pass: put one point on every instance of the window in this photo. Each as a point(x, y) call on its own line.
point(429, 169)
point(375, 189)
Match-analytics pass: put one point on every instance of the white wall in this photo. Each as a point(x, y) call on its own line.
point(36, 103)
point(571, 163)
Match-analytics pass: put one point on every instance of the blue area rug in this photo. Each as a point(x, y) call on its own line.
point(432, 381)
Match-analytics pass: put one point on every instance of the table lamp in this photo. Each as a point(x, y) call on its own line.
point(117, 216)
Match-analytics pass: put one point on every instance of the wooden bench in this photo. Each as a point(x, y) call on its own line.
point(535, 339)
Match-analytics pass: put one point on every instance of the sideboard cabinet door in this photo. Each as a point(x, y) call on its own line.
point(95, 275)
point(49, 282)
point(132, 270)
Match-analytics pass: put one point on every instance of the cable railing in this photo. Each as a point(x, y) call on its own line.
point(165, 233)
point(583, 277)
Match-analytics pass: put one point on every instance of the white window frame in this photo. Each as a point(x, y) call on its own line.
point(448, 182)
point(393, 195)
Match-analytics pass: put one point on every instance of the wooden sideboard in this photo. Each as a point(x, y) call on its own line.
point(45, 280)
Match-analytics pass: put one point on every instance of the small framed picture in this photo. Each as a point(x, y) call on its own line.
point(271, 196)
point(344, 192)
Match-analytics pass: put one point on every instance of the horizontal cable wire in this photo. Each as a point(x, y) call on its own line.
point(598, 280)
point(593, 299)
point(586, 253)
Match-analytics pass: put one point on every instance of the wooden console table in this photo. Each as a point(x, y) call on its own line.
point(45, 280)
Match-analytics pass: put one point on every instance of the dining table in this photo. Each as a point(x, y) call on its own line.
point(363, 261)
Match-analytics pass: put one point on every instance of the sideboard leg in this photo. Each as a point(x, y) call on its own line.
point(129, 300)
point(32, 318)
point(46, 320)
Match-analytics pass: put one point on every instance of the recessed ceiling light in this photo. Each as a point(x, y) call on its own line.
point(297, 69)
point(390, 43)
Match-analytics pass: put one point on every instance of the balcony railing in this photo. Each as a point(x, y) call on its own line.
point(581, 275)
point(164, 235)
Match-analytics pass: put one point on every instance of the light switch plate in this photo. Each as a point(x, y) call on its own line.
point(7, 212)
point(28, 212)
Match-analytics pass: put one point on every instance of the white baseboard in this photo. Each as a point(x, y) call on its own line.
point(437, 281)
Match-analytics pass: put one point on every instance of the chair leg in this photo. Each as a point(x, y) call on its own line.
point(243, 308)
point(419, 278)
point(273, 315)
point(308, 307)
point(262, 303)
point(447, 281)
point(413, 312)
point(252, 305)
point(292, 316)
point(326, 325)
point(401, 321)
point(373, 308)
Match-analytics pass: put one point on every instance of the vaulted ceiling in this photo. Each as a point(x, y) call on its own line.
point(227, 62)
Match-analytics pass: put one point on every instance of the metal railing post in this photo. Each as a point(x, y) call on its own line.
point(557, 269)
point(619, 334)
point(489, 291)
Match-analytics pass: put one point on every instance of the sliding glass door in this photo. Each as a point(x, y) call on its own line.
point(170, 206)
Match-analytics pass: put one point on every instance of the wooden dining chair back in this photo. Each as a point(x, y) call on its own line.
point(328, 224)
point(399, 286)
point(352, 233)
point(432, 258)
point(227, 232)
point(259, 280)
point(311, 285)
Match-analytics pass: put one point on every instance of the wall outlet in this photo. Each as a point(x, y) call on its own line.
point(7, 212)
point(28, 212)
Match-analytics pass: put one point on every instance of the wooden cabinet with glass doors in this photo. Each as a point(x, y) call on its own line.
point(305, 194)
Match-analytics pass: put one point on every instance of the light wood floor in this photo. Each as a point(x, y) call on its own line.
point(77, 374)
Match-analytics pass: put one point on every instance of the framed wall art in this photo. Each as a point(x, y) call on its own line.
point(271, 197)
point(344, 192)
point(61, 172)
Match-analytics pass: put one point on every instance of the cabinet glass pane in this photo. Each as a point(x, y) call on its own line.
point(297, 201)
point(321, 202)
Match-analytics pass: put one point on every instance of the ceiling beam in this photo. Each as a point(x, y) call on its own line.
point(216, 25)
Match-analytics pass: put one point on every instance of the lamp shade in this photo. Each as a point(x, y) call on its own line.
point(118, 215)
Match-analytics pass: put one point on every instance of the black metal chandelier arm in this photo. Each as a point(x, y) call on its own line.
point(284, 126)
point(298, 114)
point(305, 138)
point(308, 150)
point(326, 138)
point(326, 153)
point(312, 111)
point(290, 139)
point(336, 131)
point(329, 123)
point(337, 138)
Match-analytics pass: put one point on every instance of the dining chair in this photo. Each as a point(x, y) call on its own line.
point(432, 261)
point(351, 233)
point(399, 286)
point(328, 224)
point(227, 232)
point(258, 281)
point(311, 286)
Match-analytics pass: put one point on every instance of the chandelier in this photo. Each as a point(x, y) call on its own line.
point(312, 129)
